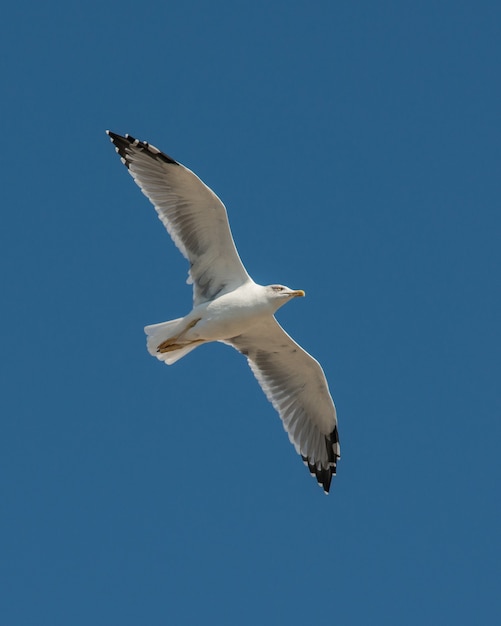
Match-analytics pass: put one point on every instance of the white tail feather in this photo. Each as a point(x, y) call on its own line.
point(158, 333)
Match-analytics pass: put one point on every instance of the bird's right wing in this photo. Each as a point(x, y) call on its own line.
point(194, 216)
point(295, 384)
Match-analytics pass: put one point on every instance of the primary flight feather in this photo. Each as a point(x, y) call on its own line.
point(228, 306)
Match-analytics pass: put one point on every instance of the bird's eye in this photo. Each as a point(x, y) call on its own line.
point(277, 288)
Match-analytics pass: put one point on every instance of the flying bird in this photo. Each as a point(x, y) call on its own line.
point(228, 306)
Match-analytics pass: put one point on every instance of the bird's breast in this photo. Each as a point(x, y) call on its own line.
point(228, 316)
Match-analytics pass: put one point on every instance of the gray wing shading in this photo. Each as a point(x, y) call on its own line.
point(193, 215)
point(295, 384)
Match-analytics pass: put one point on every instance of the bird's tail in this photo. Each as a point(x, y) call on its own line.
point(164, 333)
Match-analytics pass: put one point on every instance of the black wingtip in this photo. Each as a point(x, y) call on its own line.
point(126, 146)
point(324, 474)
point(113, 136)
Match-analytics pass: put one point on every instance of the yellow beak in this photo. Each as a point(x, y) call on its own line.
point(299, 293)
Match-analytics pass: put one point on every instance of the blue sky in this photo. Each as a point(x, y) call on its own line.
point(356, 147)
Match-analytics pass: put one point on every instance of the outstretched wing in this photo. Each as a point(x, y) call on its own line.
point(295, 384)
point(191, 212)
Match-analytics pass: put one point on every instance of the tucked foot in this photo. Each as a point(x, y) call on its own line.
point(167, 346)
point(172, 343)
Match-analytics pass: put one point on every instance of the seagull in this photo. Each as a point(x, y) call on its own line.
point(229, 307)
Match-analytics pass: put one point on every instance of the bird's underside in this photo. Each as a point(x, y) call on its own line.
point(230, 307)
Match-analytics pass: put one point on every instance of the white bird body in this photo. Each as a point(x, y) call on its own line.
point(231, 314)
point(230, 307)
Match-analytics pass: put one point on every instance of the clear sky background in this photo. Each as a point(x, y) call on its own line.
point(356, 146)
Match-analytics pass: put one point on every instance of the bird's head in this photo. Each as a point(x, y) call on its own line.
point(278, 295)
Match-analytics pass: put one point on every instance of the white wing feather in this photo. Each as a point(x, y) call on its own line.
point(193, 215)
point(295, 384)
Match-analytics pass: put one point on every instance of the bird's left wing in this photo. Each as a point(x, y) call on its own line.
point(295, 384)
point(192, 214)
